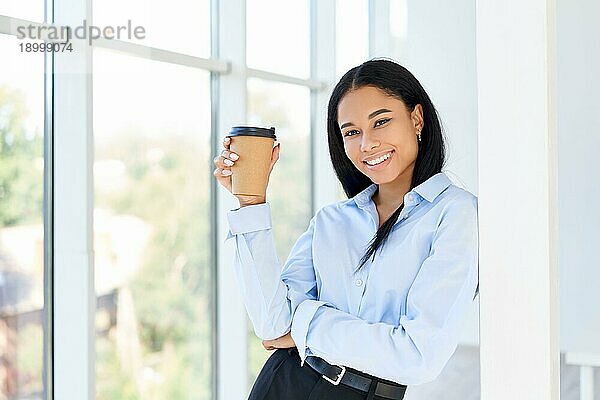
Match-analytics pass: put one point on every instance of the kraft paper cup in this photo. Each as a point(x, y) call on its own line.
point(254, 146)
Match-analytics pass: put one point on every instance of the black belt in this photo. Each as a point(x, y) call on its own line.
point(339, 374)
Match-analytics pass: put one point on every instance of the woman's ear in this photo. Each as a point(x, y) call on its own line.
point(417, 117)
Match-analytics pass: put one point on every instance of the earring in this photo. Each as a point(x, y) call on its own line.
point(419, 136)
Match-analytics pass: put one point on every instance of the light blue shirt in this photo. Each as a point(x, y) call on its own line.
point(398, 318)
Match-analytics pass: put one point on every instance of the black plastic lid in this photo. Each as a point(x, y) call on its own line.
point(253, 131)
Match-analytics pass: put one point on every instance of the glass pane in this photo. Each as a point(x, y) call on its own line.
point(32, 10)
point(398, 22)
point(287, 108)
point(277, 36)
point(151, 229)
point(578, 193)
point(181, 25)
point(21, 222)
point(351, 33)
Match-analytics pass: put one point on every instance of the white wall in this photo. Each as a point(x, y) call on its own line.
point(579, 177)
point(439, 49)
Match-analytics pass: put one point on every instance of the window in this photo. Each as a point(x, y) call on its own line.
point(152, 229)
point(153, 237)
point(287, 108)
point(22, 285)
point(351, 34)
point(182, 26)
point(278, 36)
point(32, 10)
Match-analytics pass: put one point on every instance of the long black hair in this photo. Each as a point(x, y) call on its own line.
point(395, 81)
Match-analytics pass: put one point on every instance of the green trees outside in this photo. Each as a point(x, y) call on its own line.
point(21, 179)
point(21, 202)
point(171, 287)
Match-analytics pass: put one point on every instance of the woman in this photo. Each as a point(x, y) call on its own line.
point(352, 327)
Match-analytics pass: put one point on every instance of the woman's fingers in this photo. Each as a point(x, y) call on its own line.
point(266, 345)
point(225, 161)
point(222, 172)
point(275, 155)
point(283, 342)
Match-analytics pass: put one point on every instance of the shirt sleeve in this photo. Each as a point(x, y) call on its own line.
point(416, 350)
point(271, 293)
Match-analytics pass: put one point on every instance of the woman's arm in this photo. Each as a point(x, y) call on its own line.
point(416, 350)
point(271, 293)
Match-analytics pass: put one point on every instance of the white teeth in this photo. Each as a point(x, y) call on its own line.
point(379, 160)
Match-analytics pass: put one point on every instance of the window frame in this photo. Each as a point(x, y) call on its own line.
point(69, 343)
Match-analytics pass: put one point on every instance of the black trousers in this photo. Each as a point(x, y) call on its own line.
point(282, 378)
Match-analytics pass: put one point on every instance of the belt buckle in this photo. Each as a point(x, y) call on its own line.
point(339, 379)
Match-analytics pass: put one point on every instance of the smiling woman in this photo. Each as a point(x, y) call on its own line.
point(369, 332)
point(377, 113)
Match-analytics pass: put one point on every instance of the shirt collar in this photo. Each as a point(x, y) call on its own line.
point(428, 190)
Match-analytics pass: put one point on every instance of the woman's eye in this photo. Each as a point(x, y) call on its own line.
point(385, 121)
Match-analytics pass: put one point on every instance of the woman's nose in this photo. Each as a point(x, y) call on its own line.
point(368, 142)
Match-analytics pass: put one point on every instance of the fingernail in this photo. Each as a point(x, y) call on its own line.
point(234, 156)
point(228, 162)
point(226, 172)
point(227, 139)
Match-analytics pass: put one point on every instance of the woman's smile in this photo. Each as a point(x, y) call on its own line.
point(382, 164)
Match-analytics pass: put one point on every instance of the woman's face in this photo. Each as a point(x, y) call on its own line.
point(374, 124)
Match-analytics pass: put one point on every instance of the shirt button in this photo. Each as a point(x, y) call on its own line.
point(358, 282)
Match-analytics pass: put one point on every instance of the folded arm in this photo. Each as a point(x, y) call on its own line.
point(271, 293)
point(416, 350)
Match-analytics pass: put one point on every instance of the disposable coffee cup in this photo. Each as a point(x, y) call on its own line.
point(254, 146)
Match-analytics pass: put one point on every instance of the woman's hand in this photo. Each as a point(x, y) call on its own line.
point(223, 172)
point(283, 342)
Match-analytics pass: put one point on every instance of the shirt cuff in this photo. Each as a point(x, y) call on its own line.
point(303, 315)
point(255, 217)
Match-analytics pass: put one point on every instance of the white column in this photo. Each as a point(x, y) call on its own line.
point(232, 370)
point(519, 302)
point(325, 183)
point(74, 297)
